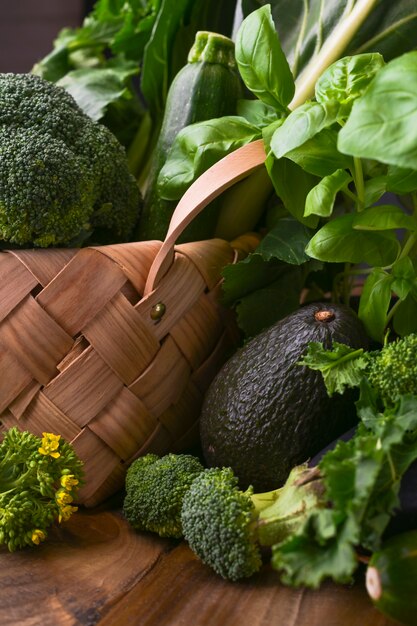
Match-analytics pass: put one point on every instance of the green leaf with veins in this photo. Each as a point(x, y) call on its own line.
point(361, 479)
point(374, 302)
point(347, 79)
point(303, 124)
point(319, 155)
point(261, 61)
point(320, 200)
point(383, 122)
point(338, 242)
point(341, 367)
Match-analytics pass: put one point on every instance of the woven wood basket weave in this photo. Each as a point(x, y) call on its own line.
point(113, 347)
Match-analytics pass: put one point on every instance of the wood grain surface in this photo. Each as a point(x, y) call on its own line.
point(94, 570)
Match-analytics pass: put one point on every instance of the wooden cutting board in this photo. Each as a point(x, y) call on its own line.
point(95, 570)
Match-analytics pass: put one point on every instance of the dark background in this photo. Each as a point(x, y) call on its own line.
point(28, 28)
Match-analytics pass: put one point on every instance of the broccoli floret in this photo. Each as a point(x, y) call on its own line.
point(39, 478)
point(155, 487)
point(392, 371)
point(227, 528)
point(61, 173)
point(218, 521)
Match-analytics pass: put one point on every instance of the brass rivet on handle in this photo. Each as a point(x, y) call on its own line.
point(158, 311)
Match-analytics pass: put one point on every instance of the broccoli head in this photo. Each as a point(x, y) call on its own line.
point(392, 371)
point(62, 175)
point(218, 524)
point(155, 488)
point(227, 528)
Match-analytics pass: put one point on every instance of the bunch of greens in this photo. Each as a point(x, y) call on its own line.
point(361, 477)
point(39, 478)
point(337, 139)
point(119, 64)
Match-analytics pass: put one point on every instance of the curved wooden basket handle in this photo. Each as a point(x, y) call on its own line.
point(212, 183)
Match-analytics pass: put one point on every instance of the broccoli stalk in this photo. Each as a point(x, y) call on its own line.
point(39, 478)
point(227, 528)
point(155, 487)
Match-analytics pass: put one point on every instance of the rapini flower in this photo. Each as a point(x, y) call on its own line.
point(50, 445)
point(39, 478)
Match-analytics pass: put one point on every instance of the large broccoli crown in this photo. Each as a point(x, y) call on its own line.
point(393, 371)
point(155, 488)
point(218, 523)
point(60, 172)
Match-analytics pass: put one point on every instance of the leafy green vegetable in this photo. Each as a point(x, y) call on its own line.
point(383, 123)
point(341, 367)
point(320, 200)
point(361, 479)
point(39, 479)
point(261, 61)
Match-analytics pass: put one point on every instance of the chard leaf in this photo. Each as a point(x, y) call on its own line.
point(303, 124)
point(320, 200)
point(338, 242)
point(261, 61)
point(341, 367)
point(95, 89)
point(374, 303)
point(305, 28)
point(197, 147)
point(383, 122)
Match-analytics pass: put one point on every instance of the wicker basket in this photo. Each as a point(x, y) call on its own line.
point(114, 347)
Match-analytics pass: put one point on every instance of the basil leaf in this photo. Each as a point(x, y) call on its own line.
point(302, 124)
point(197, 147)
point(261, 61)
point(383, 217)
point(346, 79)
point(319, 155)
point(375, 189)
point(405, 316)
point(338, 242)
point(321, 198)
point(286, 241)
point(404, 277)
point(401, 180)
point(292, 185)
point(256, 112)
point(383, 122)
point(374, 303)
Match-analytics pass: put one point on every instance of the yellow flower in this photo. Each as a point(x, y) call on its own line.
point(38, 536)
point(50, 445)
point(63, 497)
point(65, 512)
point(68, 481)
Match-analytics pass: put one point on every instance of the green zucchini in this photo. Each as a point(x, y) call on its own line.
point(208, 86)
point(391, 578)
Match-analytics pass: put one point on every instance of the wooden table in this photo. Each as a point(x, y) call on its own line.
point(95, 570)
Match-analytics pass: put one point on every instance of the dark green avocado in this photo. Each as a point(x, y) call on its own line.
point(263, 414)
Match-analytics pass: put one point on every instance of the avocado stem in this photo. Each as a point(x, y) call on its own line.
point(324, 316)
